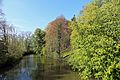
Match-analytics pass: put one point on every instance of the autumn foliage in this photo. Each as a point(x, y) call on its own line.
point(57, 35)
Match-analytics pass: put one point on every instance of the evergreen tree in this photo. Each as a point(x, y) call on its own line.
point(38, 40)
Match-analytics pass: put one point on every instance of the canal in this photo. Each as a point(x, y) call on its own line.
point(34, 67)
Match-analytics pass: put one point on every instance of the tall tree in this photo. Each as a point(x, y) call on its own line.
point(38, 40)
point(57, 35)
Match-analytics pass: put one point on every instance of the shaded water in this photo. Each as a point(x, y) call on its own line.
point(37, 68)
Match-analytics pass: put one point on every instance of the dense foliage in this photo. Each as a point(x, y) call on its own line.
point(95, 41)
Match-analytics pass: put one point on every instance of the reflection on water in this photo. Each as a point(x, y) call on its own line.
point(36, 68)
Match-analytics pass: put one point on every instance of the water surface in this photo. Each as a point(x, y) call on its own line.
point(34, 67)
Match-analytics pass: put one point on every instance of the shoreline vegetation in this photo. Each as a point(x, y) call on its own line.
point(89, 43)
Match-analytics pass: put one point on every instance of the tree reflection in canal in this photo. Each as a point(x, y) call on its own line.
point(35, 67)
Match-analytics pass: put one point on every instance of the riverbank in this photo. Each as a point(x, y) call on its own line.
point(9, 64)
point(12, 61)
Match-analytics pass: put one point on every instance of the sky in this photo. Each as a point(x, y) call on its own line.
point(27, 15)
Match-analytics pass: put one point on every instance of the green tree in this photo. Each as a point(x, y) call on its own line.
point(38, 40)
point(95, 41)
